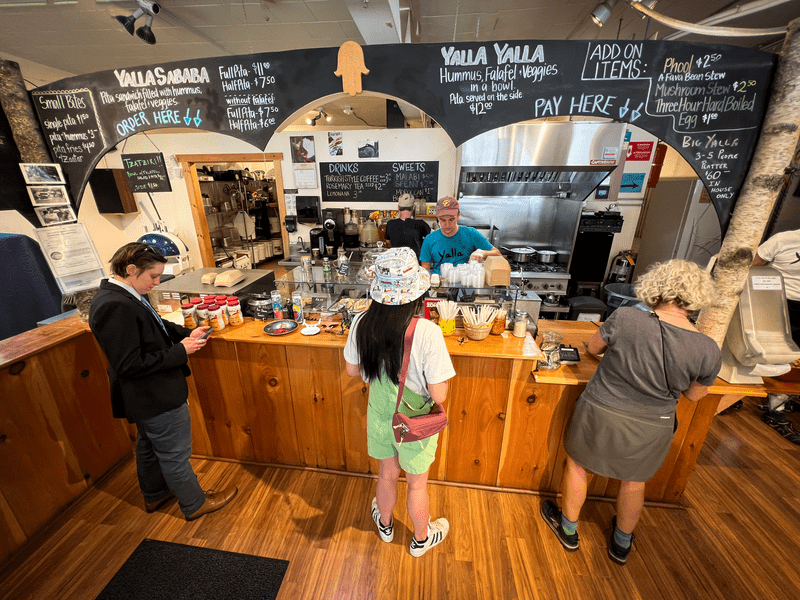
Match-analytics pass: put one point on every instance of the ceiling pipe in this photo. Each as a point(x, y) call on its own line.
point(733, 13)
point(705, 30)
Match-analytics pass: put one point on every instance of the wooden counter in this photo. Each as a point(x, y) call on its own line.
point(287, 400)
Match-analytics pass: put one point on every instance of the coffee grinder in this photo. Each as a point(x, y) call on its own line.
point(333, 234)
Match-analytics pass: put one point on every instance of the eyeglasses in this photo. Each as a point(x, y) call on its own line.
point(148, 248)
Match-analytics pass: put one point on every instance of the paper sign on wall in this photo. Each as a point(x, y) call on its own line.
point(640, 150)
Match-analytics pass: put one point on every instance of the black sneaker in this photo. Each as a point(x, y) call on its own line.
point(781, 423)
point(552, 516)
point(616, 552)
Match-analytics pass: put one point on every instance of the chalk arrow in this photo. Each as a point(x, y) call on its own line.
point(187, 119)
point(637, 113)
point(624, 109)
point(197, 119)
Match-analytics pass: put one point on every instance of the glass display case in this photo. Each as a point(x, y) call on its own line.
point(324, 290)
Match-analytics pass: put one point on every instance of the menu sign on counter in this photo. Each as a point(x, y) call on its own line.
point(146, 172)
point(378, 181)
point(705, 100)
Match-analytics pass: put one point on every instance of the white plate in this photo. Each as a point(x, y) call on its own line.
point(313, 330)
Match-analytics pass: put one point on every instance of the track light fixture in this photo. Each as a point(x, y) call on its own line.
point(149, 10)
point(602, 12)
point(320, 114)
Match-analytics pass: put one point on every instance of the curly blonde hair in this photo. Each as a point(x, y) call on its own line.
point(678, 281)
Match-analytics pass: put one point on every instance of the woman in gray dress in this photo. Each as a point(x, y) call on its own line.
point(624, 421)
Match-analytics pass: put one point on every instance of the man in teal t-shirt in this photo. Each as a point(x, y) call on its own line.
point(453, 243)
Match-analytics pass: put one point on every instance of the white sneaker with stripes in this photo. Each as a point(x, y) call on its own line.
point(386, 532)
point(437, 531)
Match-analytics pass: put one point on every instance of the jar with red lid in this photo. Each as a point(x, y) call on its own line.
point(235, 315)
point(189, 315)
point(202, 315)
point(223, 304)
point(196, 301)
point(215, 319)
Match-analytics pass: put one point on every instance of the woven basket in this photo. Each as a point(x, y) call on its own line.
point(477, 332)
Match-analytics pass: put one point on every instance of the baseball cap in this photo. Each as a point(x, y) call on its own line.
point(398, 277)
point(406, 201)
point(447, 206)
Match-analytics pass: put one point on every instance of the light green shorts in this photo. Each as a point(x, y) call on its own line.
point(414, 457)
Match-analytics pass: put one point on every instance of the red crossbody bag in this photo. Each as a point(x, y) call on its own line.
point(411, 429)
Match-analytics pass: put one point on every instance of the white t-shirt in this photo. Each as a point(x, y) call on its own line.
point(430, 362)
point(782, 251)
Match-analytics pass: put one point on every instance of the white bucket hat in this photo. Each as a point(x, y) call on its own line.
point(398, 277)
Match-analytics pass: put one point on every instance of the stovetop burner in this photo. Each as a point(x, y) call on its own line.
point(533, 268)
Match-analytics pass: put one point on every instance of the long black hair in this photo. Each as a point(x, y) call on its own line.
point(379, 337)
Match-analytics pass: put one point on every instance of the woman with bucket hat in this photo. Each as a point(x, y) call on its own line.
point(374, 351)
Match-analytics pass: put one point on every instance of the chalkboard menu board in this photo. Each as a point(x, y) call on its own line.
point(705, 100)
point(146, 172)
point(378, 181)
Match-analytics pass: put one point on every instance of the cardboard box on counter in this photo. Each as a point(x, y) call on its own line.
point(497, 271)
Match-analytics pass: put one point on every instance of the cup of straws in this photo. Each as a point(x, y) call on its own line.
point(478, 323)
point(447, 310)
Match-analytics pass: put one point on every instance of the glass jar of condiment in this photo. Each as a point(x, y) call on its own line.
point(520, 324)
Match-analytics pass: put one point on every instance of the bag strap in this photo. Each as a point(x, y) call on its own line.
point(407, 341)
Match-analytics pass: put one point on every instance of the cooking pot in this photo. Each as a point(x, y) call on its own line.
point(546, 256)
point(520, 255)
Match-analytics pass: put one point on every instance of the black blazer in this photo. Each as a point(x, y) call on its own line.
point(147, 368)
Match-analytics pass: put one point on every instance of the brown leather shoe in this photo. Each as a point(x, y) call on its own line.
point(214, 501)
point(154, 506)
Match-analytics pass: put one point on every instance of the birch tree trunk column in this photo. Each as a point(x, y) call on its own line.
point(773, 154)
point(24, 125)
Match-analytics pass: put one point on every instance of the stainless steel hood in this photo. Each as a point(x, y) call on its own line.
point(524, 184)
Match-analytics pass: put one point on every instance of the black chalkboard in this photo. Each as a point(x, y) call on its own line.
point(378, 181)
point(705, 100)
point(146, 172)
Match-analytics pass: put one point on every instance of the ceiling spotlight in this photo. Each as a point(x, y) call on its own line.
point(602, 12)
point(145, 33)
point(647, 4)
point(320, 114)
point(348, 110)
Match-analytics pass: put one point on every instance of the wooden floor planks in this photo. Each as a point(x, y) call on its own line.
point(737, 537)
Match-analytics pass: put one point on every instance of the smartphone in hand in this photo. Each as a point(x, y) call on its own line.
point(206, 334)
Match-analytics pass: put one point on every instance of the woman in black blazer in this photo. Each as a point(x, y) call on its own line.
point(148, 365)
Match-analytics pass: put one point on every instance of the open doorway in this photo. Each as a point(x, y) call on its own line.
point(274, 203)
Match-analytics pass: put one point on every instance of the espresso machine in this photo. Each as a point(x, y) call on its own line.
point(334, 233)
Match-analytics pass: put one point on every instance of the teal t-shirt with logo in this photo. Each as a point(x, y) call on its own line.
point(438, 248)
